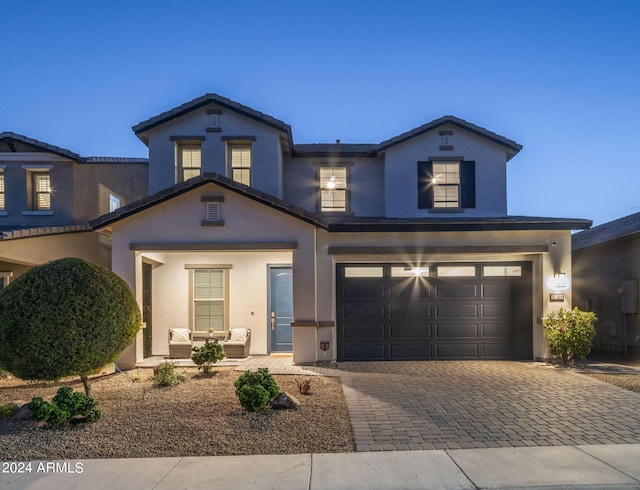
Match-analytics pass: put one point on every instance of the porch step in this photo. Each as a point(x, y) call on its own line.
point(281, 354)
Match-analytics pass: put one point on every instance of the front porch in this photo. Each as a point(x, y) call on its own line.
point(276, 364)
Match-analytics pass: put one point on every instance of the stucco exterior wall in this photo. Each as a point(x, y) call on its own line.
point(598, 272)
point(93, 182)
point(401, 173)
point(177, 222)
point(366, 185)
point(17, 212)
point(266, 165)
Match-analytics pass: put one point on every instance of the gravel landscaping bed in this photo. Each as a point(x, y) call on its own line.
point(626, 381)
point(199, 417)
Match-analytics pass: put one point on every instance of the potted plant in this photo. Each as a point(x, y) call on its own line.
point(207, 355)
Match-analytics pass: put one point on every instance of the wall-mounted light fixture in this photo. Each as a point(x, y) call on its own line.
point(560, 281)
point(557, 284)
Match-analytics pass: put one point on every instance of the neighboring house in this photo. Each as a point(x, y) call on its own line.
point(397, 250)
point(47, 197)
point(606, 268)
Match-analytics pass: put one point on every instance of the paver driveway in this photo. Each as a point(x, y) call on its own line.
point(470, 404)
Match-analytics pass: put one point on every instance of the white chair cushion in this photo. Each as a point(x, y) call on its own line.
point(180, 335)
point(238, 335)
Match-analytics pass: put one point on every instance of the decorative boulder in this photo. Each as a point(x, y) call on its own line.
point(285, 400)
point(22, 413)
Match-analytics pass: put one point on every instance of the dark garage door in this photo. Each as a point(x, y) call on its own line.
point(443, 311)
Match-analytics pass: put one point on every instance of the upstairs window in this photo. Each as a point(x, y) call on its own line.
point(189, 163)
point(333, 189)
point(446, 185)
point(114, 203)
point(1, 190)
point(240, 163)
point(41, 184)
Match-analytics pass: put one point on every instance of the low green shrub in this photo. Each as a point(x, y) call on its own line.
point(66, 407)
point(255, 389)
point(3, 374)
point(570, 333)
point(167, 375)
point(207, 355)
point(7, 410)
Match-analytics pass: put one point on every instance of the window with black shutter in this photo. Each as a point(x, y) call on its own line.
point(446, 185)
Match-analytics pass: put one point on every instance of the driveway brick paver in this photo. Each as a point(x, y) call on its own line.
point(476, 404)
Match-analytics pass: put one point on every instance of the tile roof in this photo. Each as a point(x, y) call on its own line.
point(206, 99)
point(349, 224)
point(343, 224)
point(115, 160)
point(334, 149)
point(225, 182)
point(511, 145)
point(8, 136)
point(41, 231)
point(607, 232)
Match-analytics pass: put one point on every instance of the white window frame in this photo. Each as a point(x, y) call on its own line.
point(240, 169)
point(114, 202)
point(446, 184)
point(3, 197)
point(182, 165)
point(224, 299)
point(331, 187)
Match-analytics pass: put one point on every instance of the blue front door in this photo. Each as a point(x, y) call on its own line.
point(281, 308)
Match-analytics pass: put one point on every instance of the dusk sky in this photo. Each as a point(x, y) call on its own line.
point(562, 78)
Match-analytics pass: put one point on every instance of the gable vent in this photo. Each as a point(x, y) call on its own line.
point(212, 211)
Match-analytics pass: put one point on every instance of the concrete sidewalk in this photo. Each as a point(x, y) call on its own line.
point(602, 467)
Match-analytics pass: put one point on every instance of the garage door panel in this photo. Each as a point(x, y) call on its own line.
point(457, 310)
point(456, 331)
point(495, 351)
point(497, 290)
point(415, 331)
point(362, 289)
point(409, 310)
point(363, 311)
point(456, 290)
point(409, 289)
point(457, 351)
point(495, 330)
point(364, 352)
point(366, 331)
point(496, 310)
point(411, 351)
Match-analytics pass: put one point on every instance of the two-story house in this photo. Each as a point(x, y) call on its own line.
point(395, 250)
point(48, 195)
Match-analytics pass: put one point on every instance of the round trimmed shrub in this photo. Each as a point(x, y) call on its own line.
point(255, 389)
point(67, 317)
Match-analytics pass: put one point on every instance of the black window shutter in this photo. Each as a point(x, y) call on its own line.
point(468, 184)
point(425, 189)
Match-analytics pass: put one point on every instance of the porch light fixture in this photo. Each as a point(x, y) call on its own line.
point(560, 281)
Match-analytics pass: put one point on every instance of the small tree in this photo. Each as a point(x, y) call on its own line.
point(570, 333)
point(68, 317)
point(207, 355)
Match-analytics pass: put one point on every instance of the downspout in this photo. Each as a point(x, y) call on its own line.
point(315, 287)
